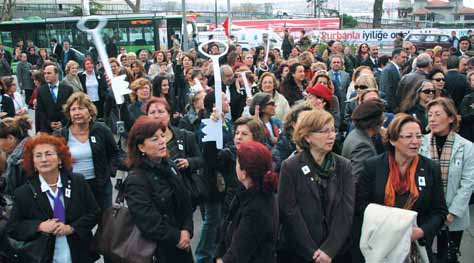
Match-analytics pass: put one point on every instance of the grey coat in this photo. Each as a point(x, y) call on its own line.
point(23, 74)
point(358, 147)
point(460, 179)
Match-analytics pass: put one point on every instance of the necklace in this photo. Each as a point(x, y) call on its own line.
point(51, 185)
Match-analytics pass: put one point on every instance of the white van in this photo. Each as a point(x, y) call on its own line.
point(247, 38)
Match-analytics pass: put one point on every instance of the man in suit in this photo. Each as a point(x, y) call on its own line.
point(390, 77)
point(67, 55)
point(50, 99)
point(372, 60)
point(463, 46)
point(6, 55)
point(56, 50)
point(456, 83)
point(412, 80)
point(339, 77)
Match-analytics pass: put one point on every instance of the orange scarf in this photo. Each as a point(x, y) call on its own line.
point(397, 184)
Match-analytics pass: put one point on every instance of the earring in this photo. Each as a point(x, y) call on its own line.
point(143, 154)
point(60, 165)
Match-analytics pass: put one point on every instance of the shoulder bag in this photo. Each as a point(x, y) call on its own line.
point(119, 239)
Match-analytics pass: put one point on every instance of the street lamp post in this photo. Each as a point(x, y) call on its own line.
point(185, 27)
point(215, 11)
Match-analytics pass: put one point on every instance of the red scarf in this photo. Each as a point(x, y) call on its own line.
point(398, 184)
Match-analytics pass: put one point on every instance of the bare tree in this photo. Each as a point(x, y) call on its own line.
point(135, 7)
point(7, 10)
point(378, 12)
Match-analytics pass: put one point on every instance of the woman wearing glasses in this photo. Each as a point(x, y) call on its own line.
point(416, 100)
point(456, 158)
point(402, 178)
point(364, 82)
point(316, 195)
point(438, 77)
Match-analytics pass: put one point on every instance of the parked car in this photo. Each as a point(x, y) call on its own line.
point(425, 41)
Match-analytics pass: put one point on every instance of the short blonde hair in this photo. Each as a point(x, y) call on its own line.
point(308, 122)
point(69, 65)
point(368, 80)
point(83, 100)
point(268, 74)
point(137, 84)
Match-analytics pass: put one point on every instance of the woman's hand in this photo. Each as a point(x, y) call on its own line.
point(182, 163)
point(214, 115)
point(449, 219)
point(184, 240)
point(49, 226)
point(417, 233)
point(320, 256)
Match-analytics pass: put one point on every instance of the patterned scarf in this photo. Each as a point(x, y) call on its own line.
point(400, 184)
point(445, 157)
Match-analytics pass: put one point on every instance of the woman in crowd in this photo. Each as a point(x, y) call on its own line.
point(251, 228)
point(455, 155)
point(263, 107)
point(137, 70)
point(358, 146)
point(466, 129)
point(362, 53)
point(294, 84)
point(160, 57)
point(322, 78)
point(141, 93)
point(364, 82)
point(71, 79)
point(92, 145)
point(191, 121)
point(180, 92)
point(43, 57)
point(285, 145)
point(319, 97)
point(282, 73)
point(56, 207)
point(416, 100)
point(155, 195)
point(439, 81)
point(7, 107)
point(404, 179)
point(13, 136)
point(38, 80)
point(269, 84)
point(118, 69)
point(316, 195)
point(181, 144)
point(359, 71)
point(94, 85)
point(18, 101)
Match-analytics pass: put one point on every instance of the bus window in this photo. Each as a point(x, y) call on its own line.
point(149, 35)
point(6, 38)
point(136, 36)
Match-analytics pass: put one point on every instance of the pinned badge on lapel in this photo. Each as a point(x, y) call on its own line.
point(93, 139)
point(180, 147)
point(421, 181)
point(305, 169)
point(67, 192)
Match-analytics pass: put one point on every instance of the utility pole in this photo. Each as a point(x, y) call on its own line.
point(229, 15)
point(184, 40)
point(85, 7)
point(215, 11)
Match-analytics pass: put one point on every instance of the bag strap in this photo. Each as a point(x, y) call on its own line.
point(35, 196)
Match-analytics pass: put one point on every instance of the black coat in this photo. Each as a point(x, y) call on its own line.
point(7, 106)
point(105, 156)
point(160, 207)
point(466, 109)
point(102, 84)
point(456, 86)
point(47, 110)
point(251, 229)
point(82, 214)
point(430, 206)
point(304, 226)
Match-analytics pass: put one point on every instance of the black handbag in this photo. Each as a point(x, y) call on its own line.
point(119, 239)
point(31, 251)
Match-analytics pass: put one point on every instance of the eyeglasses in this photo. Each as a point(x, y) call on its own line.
point(417, 136)
point(439, 80)
point(326, 131)
point(362, 87)
point(429, 91)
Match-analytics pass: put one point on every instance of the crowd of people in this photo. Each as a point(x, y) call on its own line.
point(312, 135)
